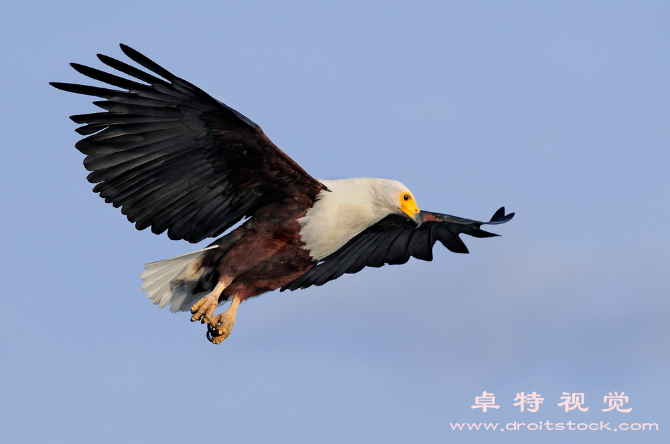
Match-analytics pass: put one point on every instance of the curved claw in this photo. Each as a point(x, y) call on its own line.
point(219, 328)
point(217, 335)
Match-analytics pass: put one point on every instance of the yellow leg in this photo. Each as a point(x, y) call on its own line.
point(220, 326)
point(204, 308)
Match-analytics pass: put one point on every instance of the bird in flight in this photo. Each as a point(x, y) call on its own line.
point(175, 159)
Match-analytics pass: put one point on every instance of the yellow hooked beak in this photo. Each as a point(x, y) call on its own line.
point(408, 206)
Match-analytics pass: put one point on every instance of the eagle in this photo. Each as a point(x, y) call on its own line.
point(175, 159)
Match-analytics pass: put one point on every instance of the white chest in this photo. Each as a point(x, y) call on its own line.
point(337, 216)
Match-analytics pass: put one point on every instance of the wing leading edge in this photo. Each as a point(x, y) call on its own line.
point(176, 159)
point(393, 240)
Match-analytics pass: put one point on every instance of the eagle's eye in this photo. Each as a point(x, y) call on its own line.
point(406, 197)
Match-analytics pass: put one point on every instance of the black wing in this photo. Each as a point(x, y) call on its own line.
point(393, 240)
point(176, 159)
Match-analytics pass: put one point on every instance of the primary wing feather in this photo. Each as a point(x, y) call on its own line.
point(176, 159)
point(393, 240)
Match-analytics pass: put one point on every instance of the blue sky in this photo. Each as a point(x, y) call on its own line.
point(557, 110)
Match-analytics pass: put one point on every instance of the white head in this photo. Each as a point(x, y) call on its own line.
point(385, 197)
point(351, 206)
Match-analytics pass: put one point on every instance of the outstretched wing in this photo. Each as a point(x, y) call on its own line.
point(393, 240)
point(176, 159)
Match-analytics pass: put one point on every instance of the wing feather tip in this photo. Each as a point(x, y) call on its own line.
point(499, 217)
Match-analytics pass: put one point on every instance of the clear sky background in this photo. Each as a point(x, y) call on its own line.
point(557, 110)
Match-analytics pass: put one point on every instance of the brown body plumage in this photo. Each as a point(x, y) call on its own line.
point(263, 254)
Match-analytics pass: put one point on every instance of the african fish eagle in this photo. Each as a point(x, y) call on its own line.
point(176, 159)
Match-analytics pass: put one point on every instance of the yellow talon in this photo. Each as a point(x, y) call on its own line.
point(220, 326)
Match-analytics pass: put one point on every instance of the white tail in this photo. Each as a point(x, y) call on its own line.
point(171, 281)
